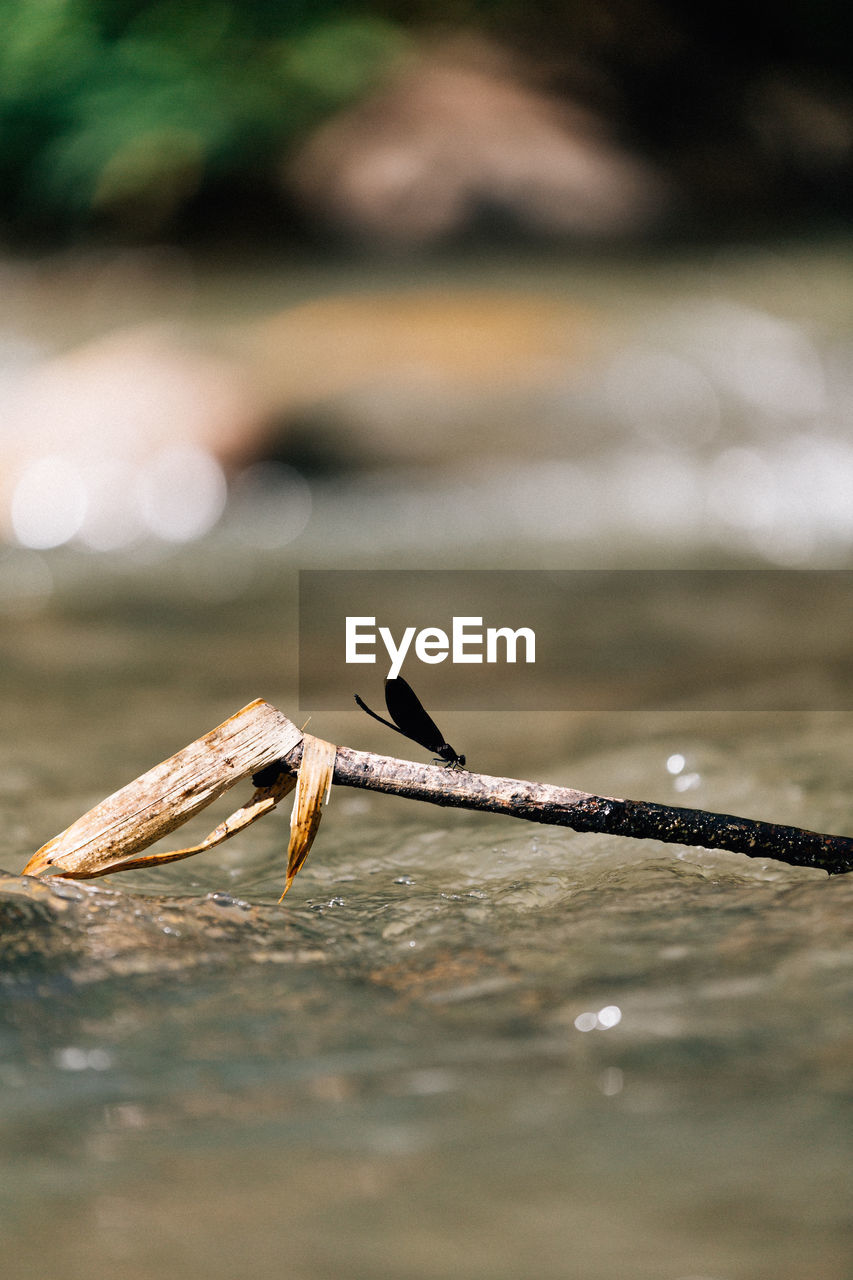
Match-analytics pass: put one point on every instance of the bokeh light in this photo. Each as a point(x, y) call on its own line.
point(181, 493)
point(49, 502)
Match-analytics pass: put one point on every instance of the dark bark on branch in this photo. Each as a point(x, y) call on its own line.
point(565, 807)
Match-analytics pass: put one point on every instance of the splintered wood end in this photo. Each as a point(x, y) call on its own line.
point(107, 837)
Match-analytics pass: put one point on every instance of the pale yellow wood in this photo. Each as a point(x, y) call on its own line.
point(262, 802)
point(106, 838)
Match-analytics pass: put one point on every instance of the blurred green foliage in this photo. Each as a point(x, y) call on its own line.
point(147, 118)
point(118, 113)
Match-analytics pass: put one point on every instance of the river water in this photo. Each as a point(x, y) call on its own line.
point(463, 1046)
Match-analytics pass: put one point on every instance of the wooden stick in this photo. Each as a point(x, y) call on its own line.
point(565, 807)
point(110, 837)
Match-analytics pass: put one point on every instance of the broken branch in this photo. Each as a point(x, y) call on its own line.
point(165, 797)
point(566, 807)
point(110, 837)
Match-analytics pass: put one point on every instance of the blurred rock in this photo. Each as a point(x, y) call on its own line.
point(124, 437)
point(130, 391)
point(416, 375)
point(135, 433)
point(452, 336)
point(459, 133)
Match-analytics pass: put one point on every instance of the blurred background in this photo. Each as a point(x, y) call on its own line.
point(459, 285)
point(295, 270)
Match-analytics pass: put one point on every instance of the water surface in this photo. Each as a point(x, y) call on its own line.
point(464, 1046)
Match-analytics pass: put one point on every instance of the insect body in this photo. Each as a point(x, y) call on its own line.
point(410, 719)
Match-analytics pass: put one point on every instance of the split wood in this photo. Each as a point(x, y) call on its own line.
point(260, 740)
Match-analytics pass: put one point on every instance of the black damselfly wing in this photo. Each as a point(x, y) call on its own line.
point(412, 720)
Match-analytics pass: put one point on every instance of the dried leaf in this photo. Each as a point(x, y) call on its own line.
point(313, 785)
